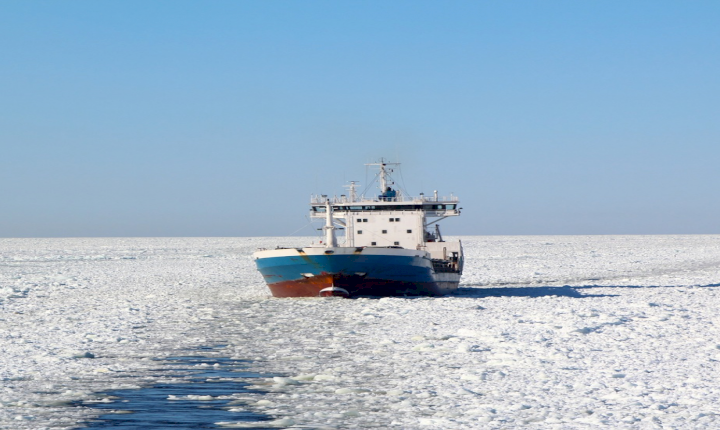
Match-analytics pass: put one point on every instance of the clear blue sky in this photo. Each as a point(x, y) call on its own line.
point(220, 118)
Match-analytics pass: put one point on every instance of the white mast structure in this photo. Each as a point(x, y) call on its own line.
point(351, 190)
point(330, 239)
point(383, 173)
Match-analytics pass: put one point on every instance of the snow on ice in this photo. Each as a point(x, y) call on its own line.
point(546, 332)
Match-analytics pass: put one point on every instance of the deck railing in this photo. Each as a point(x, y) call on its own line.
point(321, 199)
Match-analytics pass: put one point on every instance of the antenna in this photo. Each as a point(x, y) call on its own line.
point(384, 175)
point(351, 188)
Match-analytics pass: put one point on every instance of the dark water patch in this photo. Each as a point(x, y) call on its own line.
point(208, 394)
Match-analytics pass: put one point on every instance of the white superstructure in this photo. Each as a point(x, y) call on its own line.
point(388, 219)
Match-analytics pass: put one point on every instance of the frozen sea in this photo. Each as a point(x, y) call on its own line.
point(545, 332)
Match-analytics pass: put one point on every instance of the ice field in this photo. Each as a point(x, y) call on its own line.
point(546, 332)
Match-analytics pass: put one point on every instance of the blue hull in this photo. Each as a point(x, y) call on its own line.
point(358, 274)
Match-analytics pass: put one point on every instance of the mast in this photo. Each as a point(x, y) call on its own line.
point(352, 192)
point(330, 239)
point(383, 173)
point(383, 177)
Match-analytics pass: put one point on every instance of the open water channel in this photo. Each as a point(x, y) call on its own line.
point(205, 398)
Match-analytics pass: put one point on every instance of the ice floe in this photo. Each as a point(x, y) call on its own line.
point(546, 332)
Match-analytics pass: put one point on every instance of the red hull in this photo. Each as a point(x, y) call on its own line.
point(357, 286)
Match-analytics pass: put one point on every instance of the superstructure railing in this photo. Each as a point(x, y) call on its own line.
point(321, 199)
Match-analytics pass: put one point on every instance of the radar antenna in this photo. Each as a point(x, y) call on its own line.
point(384, 173)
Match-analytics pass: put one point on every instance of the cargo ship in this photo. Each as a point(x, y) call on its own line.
point(392, 246)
